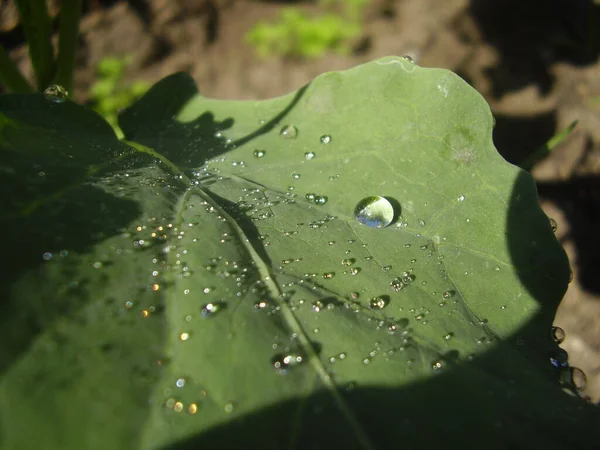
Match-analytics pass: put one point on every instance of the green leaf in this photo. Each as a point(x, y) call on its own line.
point(181, 290)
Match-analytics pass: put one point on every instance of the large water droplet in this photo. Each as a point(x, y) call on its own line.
point(56, 93)
point(289, 132)
point(374, 212)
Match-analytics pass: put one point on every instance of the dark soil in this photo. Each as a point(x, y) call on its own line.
point(536, 65)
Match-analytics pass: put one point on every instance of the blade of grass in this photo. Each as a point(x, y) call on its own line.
point(70, 12)
point(37, 25)
point(547, 148)
point(10, 76)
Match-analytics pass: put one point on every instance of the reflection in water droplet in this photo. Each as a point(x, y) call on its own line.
point(374, 212)
point(325, 139)
point(289, 132)
point(259, 153)
point(553, 225)
point(56, 93)
point(309, 155)
point(558, 334)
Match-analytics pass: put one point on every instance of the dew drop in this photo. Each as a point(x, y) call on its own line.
point(354, 270)
point(211, 309)
point(374, 212)
point(448, 336)
point(309, 155)
point(553, 225)
point(283, 362)
point(289, 132)
point(317, 306)
point(461, 198)
point(448, 294)
point(379, 302)
point(325, 139)
point(310, 196)
point(295, 176)
point(559, 358)
point(56, 93)
point(193, 408)
point(558, 334)
point(259, 153)
point(348, 261)
point(328, 275)
point(228, 408)
point(578, 378)
point(320, 200)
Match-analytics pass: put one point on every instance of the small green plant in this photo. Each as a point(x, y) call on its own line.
point(296, 34)
point(110, 94)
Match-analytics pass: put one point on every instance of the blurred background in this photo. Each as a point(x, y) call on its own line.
point(535, 62)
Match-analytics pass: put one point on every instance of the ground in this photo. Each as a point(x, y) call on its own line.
point(538, 68)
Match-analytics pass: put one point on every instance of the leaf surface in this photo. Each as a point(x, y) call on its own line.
point(185, 289)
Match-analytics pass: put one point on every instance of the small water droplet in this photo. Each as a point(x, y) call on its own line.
point(437, 366)
point(325, 139)
point(295, 176)
point(355, 270)
point(558, 334)
point(184, 336)
point(328, 275)
point(259, 153)
point(289, 132)
point(180, 382)
point(320, 200)
point(461, 198)
point(448, 294)
point(56, 93)
point(310, 196)
point(309, 155)
point(448, 336)
point(228, 408)
point(379, 302)
point(559, 358)
point(283, 362)
point(553, 225)
point(409, 59)
point(578, 378)
point(211, 309)
point(348, 261)
point(397, 284)
point(317, 306)
point(375, 212)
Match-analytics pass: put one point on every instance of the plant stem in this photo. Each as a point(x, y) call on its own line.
point(10, 76)
point(545, 149)
point(37, 25)
point(70, 12)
